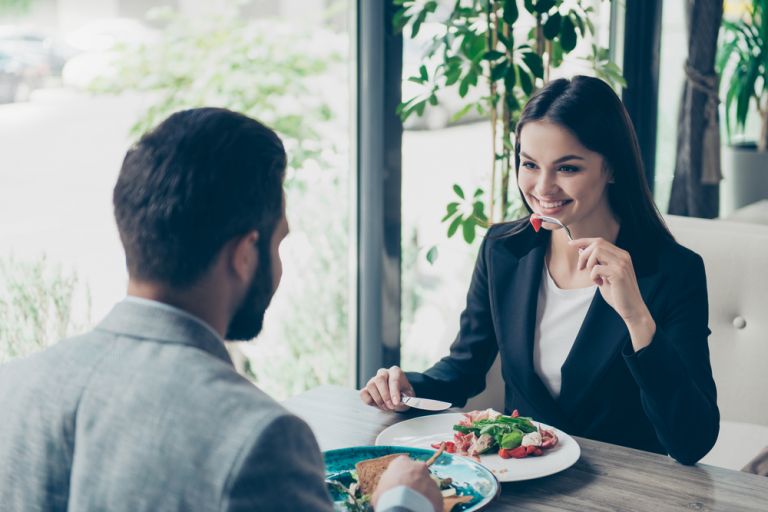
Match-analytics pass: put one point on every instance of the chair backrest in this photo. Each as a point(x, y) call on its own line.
point(736, 261)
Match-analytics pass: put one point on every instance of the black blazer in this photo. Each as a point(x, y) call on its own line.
point(660, 399)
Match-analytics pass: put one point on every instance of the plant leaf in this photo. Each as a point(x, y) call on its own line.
point(478, 210)
point(552, 26)
point(529, 6)
point(432, 255)
point(525, 81)
point(417, 23)
point(493, 55)
point(469, 230)
point(567, 35)
point(510, 11)
point(466, 82)
point(534, 63)
point(454, 226)
point(543, 6)
point(450, 210)
point(499, 71)
point(511, 79)
point(458, 190)
point(579, 22)
point(464, 111)
point(400, 19)
point(556, 56)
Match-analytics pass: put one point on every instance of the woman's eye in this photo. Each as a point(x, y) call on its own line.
point(568, 168)
point(529, 165)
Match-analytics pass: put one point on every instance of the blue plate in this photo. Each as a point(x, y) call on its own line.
point(469, 477)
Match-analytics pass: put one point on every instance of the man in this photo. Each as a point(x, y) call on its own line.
point(146, 412)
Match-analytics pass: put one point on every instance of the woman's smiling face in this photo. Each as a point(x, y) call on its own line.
point(561, 178)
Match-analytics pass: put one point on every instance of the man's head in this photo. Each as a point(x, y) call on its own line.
point(204, 181)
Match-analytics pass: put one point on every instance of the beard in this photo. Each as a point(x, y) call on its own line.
point(248, 320)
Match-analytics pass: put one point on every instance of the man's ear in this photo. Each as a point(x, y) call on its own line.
point(244, 257)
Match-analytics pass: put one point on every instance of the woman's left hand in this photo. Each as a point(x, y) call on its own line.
point(610, 268)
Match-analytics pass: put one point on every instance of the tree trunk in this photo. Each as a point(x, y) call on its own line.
point(689, 195)
point(762, 144)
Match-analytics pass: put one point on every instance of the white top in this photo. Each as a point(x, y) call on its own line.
point(559, 315)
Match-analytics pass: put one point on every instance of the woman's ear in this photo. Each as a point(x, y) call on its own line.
point(245, 255)
point(607, 170)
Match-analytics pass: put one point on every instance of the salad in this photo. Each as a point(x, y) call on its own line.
point(488, 431)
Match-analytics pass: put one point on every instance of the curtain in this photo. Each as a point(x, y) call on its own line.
point(696, 182)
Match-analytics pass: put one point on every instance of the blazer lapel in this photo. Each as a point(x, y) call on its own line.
point(597, 344)
point(514, 301)
point(602, 335)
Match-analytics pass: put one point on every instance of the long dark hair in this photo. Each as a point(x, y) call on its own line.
point(592, 112)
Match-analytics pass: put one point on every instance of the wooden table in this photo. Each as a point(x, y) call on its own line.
point(606, 478)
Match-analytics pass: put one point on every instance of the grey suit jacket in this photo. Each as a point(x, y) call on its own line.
point(146, 412)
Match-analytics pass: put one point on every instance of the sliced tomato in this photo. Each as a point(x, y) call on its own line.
point(515, 453)
point(450, 446)
point(536, 223)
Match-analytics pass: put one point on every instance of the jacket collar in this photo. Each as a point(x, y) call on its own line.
point(518, 266)
point(146, 321)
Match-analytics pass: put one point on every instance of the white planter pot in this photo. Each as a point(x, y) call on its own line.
point(745, 178)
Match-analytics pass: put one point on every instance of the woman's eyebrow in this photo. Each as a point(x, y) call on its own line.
point(568, 157)
point(559, 160)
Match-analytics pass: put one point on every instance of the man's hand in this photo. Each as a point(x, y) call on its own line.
point(413, 474)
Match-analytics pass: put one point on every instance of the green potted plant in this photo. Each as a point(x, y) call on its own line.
point(505, 50)
point(742, 62)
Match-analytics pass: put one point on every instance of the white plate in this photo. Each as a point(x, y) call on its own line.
point(424, 431)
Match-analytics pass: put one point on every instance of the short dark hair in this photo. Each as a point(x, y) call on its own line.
point(594, 114)
point(199, 179)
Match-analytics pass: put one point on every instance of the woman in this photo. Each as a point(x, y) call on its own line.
point(603, 336)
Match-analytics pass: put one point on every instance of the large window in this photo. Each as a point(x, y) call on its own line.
point(674, 42)
point(81, 79)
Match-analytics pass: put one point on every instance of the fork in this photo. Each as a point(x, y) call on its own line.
point(553, 220)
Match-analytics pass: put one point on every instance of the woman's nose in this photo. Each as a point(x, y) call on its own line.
point(546, 182)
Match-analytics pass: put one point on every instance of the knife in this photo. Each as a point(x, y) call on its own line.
point(426, 404)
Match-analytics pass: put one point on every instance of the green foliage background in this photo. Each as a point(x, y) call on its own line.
point(284, 77)
point(37, 306)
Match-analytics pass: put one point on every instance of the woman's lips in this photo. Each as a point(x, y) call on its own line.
point(551, 207)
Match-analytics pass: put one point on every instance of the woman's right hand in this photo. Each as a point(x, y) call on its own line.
point(384, 389)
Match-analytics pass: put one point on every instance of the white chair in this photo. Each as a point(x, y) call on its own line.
point(736, 260)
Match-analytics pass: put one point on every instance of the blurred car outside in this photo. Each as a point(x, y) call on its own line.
point(19, 76)
point(37, 45)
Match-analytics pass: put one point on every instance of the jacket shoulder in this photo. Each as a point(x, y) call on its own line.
point(672, 251)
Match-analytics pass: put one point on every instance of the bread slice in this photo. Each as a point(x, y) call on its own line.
point(369, 471)
point(452, 501)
